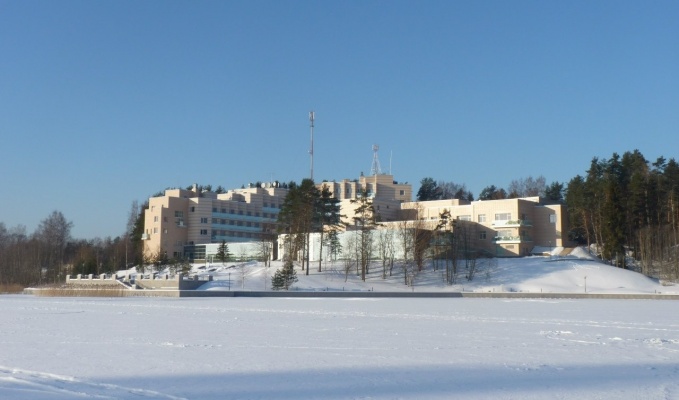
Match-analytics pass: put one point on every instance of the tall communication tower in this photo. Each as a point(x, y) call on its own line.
point(311, 150)
point(376, 170)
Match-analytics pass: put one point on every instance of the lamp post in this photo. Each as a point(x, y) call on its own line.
point(585, 283)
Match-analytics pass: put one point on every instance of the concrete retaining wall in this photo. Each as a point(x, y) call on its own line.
point(163, 282)
point(91, 281)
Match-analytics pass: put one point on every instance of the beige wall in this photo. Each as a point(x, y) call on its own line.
point(517, 225)
point(381, 186)
point(163, 230)
point(385, 193)
point(507, 227)
point(551, 226)
point(235, 216)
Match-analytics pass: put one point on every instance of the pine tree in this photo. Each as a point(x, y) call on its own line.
point(297, 218)
point(492, 193)
point(284, 277)
point(223, 252)
point(429, 190)
point(615, 224)
point(365, 220)
point(554, 192)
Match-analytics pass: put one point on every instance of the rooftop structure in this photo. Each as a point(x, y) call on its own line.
point(386, 194)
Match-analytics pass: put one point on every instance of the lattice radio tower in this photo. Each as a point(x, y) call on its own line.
point(376, 170)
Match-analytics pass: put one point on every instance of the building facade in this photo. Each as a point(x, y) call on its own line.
point(386, 194)
point(181, 223)
point(180, 220)
point(507, 227)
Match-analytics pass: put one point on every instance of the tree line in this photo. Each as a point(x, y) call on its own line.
point(50, 253)
point(628, 209)
point(431, 189)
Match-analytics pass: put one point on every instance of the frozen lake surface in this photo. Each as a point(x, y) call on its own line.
point(264, 348)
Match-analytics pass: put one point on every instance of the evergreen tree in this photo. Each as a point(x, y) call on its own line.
point(429, 190)
point(298, 217)
point(594, 200)
point(333, 243)
point(554, 193)
point(223, 254)
point(137, 252)
point(365, 220)
point(492, 193)
point(577, 211)
point(284, 277)
point(613, 228)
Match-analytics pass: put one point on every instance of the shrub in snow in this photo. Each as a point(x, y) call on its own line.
point(284, 277)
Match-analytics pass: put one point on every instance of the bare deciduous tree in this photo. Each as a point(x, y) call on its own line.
point(54, 232)
point(385, 246)
point(405, 238)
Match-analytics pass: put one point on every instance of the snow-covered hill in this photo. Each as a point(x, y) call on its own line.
point(576, 273)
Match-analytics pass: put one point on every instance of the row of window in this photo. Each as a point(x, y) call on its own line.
point(204, 220)
point(481, 218)
point(232, 222)
point(234, 234)
point(218, 232)
point(204, 232)
point(248, 213)
point(241, 212)
point(369, 189)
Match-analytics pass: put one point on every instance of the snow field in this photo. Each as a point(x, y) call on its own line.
point(574, 274)
point(288, 348)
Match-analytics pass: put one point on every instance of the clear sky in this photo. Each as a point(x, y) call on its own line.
point(106, 102)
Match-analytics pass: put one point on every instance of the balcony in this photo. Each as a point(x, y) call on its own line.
point(512, 239)
point(145, 236)
point(516, 223)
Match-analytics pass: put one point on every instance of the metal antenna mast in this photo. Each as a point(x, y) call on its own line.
point(376, 170)
point(311, 151)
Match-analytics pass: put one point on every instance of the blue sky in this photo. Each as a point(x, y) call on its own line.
point(105, 102)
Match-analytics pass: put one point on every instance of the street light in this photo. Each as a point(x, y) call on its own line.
point(585, 283)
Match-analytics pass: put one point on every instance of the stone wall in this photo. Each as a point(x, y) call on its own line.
point(90, 280)
point(163, 282)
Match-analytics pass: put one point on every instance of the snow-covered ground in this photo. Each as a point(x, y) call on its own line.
point(291, 348)
point(576, 273)
point(329, 348)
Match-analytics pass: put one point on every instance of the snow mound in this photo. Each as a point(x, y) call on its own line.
point(578, 272)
